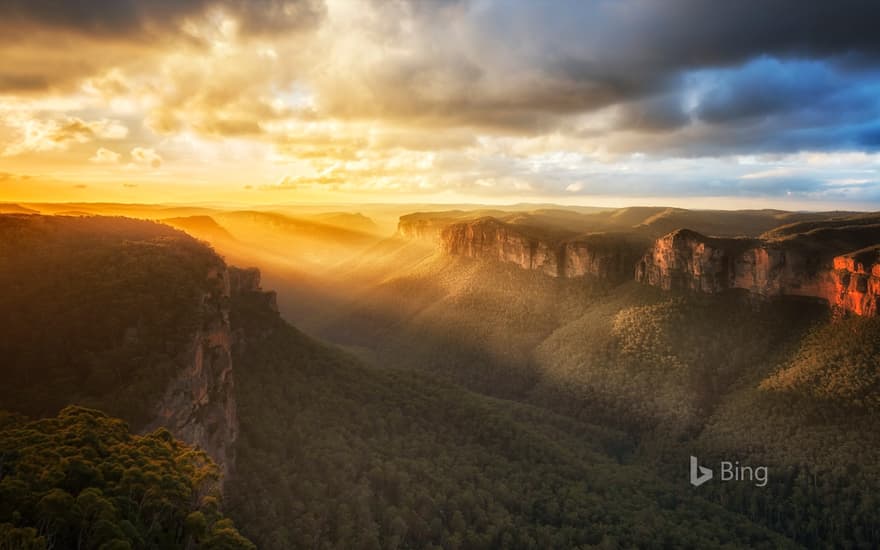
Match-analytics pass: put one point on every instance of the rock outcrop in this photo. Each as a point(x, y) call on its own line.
point(491, 239)
point(247, 280)
point(423, 228)
point(856, 280)
point(686, 260)
point(198, 405)
point(803, 265)
point(607, 256)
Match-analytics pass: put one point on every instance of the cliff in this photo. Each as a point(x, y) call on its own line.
point(809, 264)
point(488, 238)
point(856, 280)
point(422, 227)
point(687, 260)
point(607, 256)
point(198, 406)
point(815, 263)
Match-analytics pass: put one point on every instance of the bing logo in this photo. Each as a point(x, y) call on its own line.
point(729, 471)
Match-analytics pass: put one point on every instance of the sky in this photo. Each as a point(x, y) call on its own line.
point(701, 103)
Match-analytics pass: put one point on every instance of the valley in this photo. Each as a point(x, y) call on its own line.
point(486, 378)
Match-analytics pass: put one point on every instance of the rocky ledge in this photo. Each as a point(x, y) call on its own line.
point(811, 265)
point(606, 256)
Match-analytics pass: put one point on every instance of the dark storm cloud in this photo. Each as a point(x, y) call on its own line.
point(636, 45)
point(768, 86)
point(698, 33)
point(687, 76)
point(654, 114)
point(136, 18)
point(528, 67)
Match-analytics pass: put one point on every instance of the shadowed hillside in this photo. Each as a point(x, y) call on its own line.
point(379, 459)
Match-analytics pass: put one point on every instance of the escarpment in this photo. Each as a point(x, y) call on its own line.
point(488, 238)
point(607, 256)
point(687, 260)
point(198, 406)
point(422, 226)
point(856, 280)
point(814, 264)
point(126, 316)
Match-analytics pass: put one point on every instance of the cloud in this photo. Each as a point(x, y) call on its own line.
point(654, 79)
point(466, 63)
point(142, 19)
point(849, 182)
point(292, 183)
point(483, 96)
point(30, 133)
point(46, 46)
point(105, 156)
point(146, 157)
point(777, 172)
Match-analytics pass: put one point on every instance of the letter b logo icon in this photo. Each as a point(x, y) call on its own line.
point(699, 474)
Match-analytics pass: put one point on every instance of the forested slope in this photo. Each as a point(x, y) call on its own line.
point(334, 454)
point(96, 310)
point(775, 382)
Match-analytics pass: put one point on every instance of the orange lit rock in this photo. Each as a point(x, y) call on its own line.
point(856, 281)
point(686, 260)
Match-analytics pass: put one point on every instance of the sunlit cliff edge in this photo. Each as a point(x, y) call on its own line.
point(837, 261)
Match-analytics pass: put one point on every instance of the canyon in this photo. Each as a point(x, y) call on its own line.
point(837, 262)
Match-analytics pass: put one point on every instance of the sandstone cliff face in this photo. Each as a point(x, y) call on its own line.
point(605, 256)
point(248, 281)
point(809, 264)
point(198, 406)
point(856, 281)
point(491, 239)
point(686, 260)
point(422, 229)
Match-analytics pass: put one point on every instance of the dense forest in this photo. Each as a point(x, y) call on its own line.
point(81, 480)
point(334, 454)
point(95, 311)
point(722, 377)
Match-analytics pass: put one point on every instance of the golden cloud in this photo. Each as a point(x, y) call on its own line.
point(146, 157)
point(28, 133)
point(105, 156)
